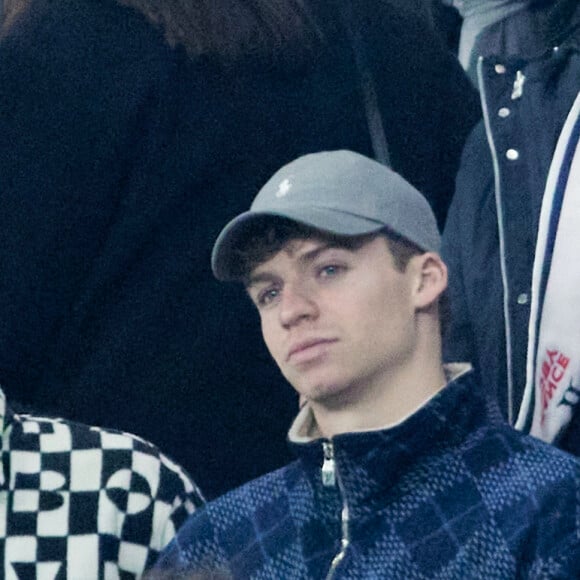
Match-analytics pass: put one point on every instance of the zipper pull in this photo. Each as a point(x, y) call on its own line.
point(328, 467)
point(518, 89)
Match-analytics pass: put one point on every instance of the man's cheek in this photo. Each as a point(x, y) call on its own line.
point(270, 342)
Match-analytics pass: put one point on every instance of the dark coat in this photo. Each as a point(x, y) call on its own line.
point(471, 241)
point(120, 161)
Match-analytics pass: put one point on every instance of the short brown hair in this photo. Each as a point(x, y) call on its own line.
point(267, 237)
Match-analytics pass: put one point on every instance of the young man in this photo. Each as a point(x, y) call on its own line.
point(81, 502)
point(404, 470)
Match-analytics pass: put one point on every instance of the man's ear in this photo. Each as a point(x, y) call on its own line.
point(431, 279)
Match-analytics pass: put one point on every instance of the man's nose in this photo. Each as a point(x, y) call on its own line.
point(297, 304)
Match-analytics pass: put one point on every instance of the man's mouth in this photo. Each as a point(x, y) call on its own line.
point(307, 349)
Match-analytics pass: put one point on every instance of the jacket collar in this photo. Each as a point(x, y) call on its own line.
point(369, 463)
point(305, 430)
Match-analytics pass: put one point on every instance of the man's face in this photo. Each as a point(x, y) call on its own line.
point(335, 320)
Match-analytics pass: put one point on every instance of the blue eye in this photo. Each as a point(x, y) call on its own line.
point(330, 271)
point(266, 297)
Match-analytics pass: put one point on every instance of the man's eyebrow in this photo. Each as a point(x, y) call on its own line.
point(311, 255)
point(262, 277)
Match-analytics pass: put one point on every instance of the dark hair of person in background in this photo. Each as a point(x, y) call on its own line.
point(226, 31)
point(133, 130)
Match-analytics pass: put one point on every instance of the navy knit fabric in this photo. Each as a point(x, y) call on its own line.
point(452, 492)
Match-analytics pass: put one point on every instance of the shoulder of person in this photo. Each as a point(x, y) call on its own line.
point(81, 35)
point(122, 456)
point(205, 538)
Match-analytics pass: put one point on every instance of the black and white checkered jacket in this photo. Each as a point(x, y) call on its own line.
point(80, 502)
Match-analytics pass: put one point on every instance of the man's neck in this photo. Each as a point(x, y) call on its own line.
point(381, 406)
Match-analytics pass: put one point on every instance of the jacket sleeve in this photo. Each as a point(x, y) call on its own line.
point(160, 497)
point(176, 488)
point(193, 551)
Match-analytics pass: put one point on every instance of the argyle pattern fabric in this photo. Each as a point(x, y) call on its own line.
point(80, 502)
point(450, 493)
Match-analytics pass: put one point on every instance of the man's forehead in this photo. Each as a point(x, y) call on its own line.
point(299, 246)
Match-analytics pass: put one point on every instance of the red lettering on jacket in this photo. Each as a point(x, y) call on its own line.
point(552, 372)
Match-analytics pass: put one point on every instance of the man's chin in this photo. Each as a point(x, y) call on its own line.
point(329, 395)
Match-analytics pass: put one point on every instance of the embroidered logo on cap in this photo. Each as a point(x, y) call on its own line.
point(284, 188)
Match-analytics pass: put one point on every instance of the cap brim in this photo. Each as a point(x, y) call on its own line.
point(235, 233)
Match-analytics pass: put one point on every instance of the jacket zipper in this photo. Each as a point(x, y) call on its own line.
point(328, 466)
point(330, 479)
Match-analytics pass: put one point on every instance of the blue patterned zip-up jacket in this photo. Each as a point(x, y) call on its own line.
point(452, 492)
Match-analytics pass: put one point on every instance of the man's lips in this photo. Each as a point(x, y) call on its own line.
point(304, 345)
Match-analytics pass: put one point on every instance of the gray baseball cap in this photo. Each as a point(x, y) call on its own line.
point(339, 192)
